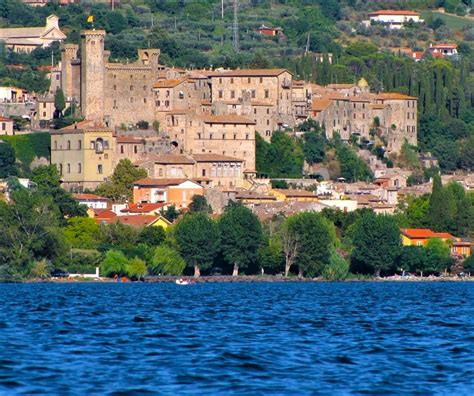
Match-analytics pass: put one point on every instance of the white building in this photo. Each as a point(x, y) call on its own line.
point(394, 19)
point(443, 49)
point(91, 201)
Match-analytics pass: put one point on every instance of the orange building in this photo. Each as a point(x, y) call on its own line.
point(178, 192)
point(420, 237)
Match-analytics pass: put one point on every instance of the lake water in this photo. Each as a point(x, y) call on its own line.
point(255, 338)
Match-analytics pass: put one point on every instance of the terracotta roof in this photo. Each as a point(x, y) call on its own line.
point(295, 193)
point(173, 159)
point(394, 12)
point(158, 182)
point(143, 207)
point(22, 32)
point(85, 124)
point(169, 83)
point(395, 96)
point(5, 119)
point(443, 45)
point(128, 139)
point(88, 197)
point(360, 98)
point(320, 104)
point(254, 195)
point(214, 158)
point(340, 86)
point(104, 214)
point(226, 119)
point(425, 233)
point(249, 73)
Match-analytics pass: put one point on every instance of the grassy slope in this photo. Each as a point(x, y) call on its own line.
point(455, 23)
point(27, 147)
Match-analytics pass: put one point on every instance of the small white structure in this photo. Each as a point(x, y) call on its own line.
point(93, 276)
point(443, 49)
point(394, 19)
point(6, 126)
point(91, 201)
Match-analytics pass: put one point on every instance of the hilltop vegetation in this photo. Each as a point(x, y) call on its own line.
point(194, 34)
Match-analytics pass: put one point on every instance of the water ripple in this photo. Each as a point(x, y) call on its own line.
point(292, 338)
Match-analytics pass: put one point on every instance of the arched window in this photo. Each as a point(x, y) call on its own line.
point(69, 145)
point(99, 145)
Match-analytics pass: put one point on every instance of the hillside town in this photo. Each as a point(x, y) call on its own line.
point(194, 132)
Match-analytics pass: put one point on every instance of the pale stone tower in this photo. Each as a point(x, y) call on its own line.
point(92, 75)
point(68, 54)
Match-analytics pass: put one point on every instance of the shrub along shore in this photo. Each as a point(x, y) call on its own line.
point(44, 229)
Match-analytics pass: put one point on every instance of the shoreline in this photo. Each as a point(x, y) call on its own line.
point(250, 279)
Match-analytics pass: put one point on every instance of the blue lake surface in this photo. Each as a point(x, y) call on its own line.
point(254, 338)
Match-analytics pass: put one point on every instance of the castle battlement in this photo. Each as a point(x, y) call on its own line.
point(93, 32)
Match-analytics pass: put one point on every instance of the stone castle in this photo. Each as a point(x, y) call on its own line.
point(215, 113)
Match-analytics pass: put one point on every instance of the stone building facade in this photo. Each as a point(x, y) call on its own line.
point(83, 154)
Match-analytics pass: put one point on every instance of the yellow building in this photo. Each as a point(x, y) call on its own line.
point(294, 195)
point(83, 153)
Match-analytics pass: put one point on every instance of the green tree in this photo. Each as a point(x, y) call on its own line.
point(29, 230)
point(152, 236)
point(283, 157)
point(413, 259)
point(171, 213)
point(442, 207)
point(469, 264)
point(82, 233)
point(439, 258)
point(48, 181)
point(270, 256)
point(312, 241)
point(337, 268)
point(352, 167)
point(59, 102)
point(136, 268)
point(241, 236)
point(7, 161)
point(199, 204)
point(377, 244)
point(118, 235)
point(114, 263)
point(198, 240)
point(314, 147)
point(121, 182)
point(166, 261)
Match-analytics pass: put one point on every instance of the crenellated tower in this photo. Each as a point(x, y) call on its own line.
point(68, 56)
point(92, 75)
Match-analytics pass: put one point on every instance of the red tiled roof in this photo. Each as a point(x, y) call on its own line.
point(395, 96)
point(295, 193)
point(443, 45)
point(103, 214)
point(128, 139)
point(169, 83)
point(425, 233)
point(320, 104)
point(5, 119)
point(88, 197)
point(158, 182)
